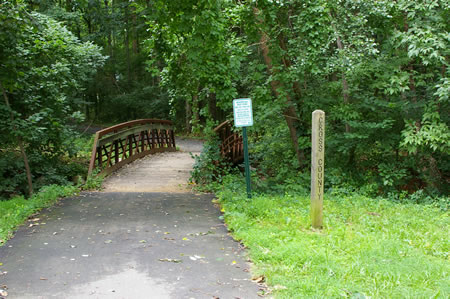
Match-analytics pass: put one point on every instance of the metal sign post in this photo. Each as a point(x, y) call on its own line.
point(243, 117)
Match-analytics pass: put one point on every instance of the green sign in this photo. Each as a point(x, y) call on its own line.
point(243, 114)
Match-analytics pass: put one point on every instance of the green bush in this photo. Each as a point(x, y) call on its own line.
point(209, 168)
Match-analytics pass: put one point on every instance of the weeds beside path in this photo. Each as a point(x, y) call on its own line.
point(15, 211)
point(369, 248)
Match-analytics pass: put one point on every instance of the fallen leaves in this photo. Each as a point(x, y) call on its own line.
point(201, 233)
point(196, 257)
point(170, 260)
point(259, 279)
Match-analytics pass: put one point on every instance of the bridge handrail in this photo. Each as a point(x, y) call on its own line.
point(232, 146)
point(123, 143)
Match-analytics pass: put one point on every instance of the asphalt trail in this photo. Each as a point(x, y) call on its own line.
point(127, 245)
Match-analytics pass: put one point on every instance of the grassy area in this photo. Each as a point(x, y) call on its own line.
point(15, 211)
point(369, 248)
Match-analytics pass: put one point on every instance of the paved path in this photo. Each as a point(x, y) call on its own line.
point(127, 245)
point(163, 172)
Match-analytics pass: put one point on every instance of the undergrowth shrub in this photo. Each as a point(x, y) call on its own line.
point(209, 167)
point(64, 168)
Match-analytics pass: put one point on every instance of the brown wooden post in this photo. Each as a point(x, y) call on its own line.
point(158, 133)
point(153, 139)
point(164, 137)
point(172, 135)
point(168, 141)
point(317, 167)
point(116, 151)
point(100, 156)
point(130, 145)
point(142, 139)
point(93, 155)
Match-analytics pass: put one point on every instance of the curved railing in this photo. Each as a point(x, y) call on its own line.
point(123, 143)
point(232, 146)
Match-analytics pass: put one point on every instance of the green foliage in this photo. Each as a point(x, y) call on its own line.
point(93, 182)
point(379, 69)
point(16, 210)
point(44, 71)
point(209, 167)
point(368, 247)
point(201, 55)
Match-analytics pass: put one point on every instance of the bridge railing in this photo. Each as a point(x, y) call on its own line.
point(232, 146)
point(123, 143)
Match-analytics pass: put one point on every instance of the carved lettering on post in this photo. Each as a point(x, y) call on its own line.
point(317, 167)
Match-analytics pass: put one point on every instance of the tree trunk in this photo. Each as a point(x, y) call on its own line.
point(287, 63)
point(20, 141)
point(345, 89)
point(195, 109)
point(127, 44)
point(135, 43)
point(212, 106)
point(188, 116)
point(290, 112)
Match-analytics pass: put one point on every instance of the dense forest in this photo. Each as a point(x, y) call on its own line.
point(379, 69)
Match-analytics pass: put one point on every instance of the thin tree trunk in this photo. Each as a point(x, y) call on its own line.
point(412, 83)
point(290, 113)
point(212, 106)
point(127, 44)
point(20, 141)
point(135, 31)
point(196, 109)
point(345, 89)
point(188, 116)
point(287, 63)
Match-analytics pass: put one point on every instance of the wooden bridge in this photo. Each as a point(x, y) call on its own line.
point(232, 146)
point(123, 143)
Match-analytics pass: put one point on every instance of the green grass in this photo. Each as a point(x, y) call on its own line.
point(17, 210)
point(368, 247)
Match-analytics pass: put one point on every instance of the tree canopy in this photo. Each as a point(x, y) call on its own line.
point(379, 69)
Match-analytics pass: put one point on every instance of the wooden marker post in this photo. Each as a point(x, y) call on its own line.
point(317, 167)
